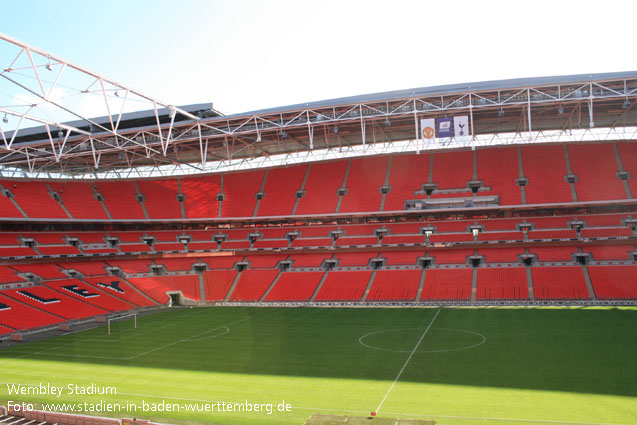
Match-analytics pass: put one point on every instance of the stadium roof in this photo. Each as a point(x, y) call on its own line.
point(168, 140)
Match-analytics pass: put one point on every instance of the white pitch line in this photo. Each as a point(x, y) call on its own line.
point(184, 339)
point(407, 362)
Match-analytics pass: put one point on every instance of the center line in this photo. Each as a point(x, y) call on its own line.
point(408, 359)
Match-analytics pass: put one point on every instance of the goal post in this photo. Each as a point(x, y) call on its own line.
point(121, 319)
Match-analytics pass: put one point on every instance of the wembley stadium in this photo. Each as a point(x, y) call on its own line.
point(456, 254)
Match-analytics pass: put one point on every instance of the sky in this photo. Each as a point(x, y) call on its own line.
point(245, 55)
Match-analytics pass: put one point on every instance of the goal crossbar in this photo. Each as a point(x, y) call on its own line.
point(118, 318)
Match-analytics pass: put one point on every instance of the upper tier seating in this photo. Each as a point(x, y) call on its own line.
point(628, 154)
point(160, 198)
point(366, 176)
point(321, 188)
point(78, 199)
point(545, 168)
point(200, 195)
point(595, 167)
point(408, 174)
point(120, 198)
point(35, 199)
point(240, 191)
point(281, 185)
point(498, 170)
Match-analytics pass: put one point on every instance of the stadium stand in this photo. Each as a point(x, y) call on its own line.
point(120, 198)
point(395, 285)
point(200, 196)
point(18, 315)
point(281, 186)
point(79, 200)
point(88, 294)
point(240, 191)
point(53, 302)
point(157, 287)
point(500, 179)
point(160, 198)
point(365, 178)
point(321, 188)
point(596, 169)
point(618, 282)
point(295, 286)
point(545, 169)
point(559, 283)
point(252, 285)
point(119, 288)
point(502, 283)
point(218, 283)
point(447, 284)
point(344, 286)
point(408, 174)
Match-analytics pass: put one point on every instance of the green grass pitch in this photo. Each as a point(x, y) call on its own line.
point(457, 366)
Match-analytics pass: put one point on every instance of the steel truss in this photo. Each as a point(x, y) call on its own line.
point(565, 109)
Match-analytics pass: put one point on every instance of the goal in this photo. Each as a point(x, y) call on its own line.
point(123, 318)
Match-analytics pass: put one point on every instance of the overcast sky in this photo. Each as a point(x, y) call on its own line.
point(247, 55)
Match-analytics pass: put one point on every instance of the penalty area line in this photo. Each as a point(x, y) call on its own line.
point(407, 361)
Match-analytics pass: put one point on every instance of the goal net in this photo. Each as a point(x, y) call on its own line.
point(128, 319)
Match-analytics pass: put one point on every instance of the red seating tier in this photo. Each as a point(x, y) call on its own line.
point(34, 199)
point(293, 286)
point(81, 291)
point(20, 316)
point(120, 199)
point(157, 286)
point(118, 288)
point(447, 284)
point(452, 170)
point(596, 167)
point(366, 176)
point(252, 284)
point(408, 173)
point(618, 282)
point(201, 196)
point(281, 185)
point(395, 285)
point(344, 286)
point(502, 283)
point(498, 169)
point(321, 188)
point(66, 306)
point(160, 198)
point(545, 168)
point(78, 199)
point(240, 190)
point(218, 283)
point(559, 283)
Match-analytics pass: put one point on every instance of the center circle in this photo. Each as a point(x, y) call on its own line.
point(437, 340)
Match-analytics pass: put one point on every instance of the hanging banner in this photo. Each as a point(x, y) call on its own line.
point(427, 129)
point(461, 126)
point(444, 127)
